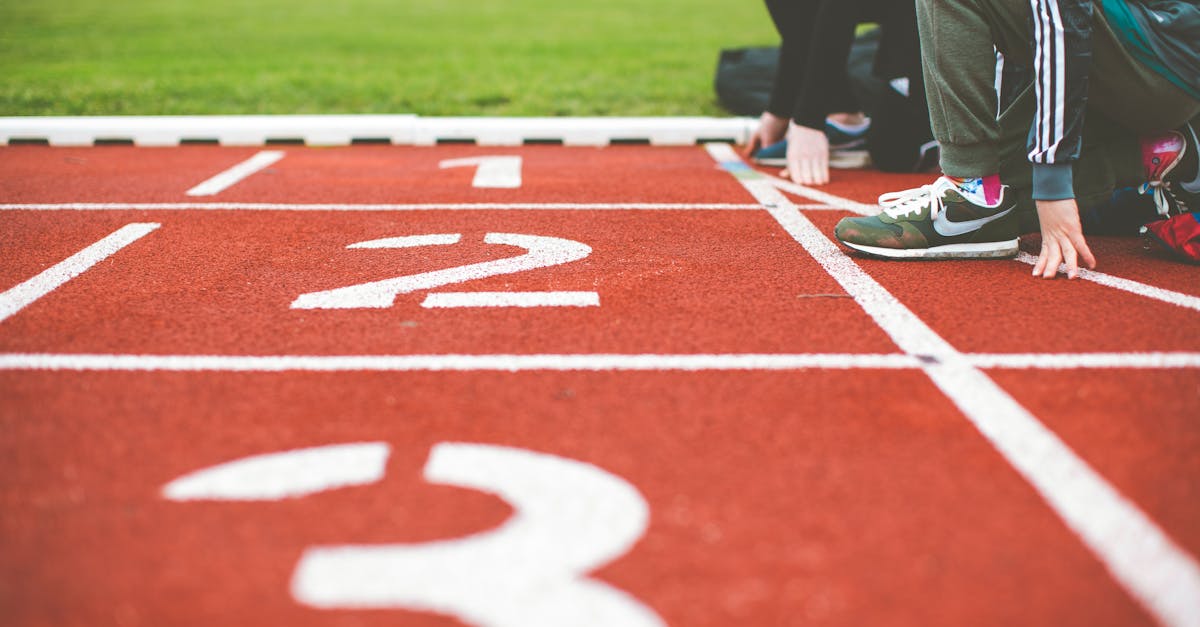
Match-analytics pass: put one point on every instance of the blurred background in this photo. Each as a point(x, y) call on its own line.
point(429, 57)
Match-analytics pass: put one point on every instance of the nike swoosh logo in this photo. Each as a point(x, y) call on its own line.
point(946, 228)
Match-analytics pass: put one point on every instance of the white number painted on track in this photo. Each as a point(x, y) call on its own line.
point(490, 172)
point(570, 518)
point(289, 474)
point(541, 252)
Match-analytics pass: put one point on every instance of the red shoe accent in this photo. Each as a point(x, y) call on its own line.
point(1179, 235)
point(1160, 154)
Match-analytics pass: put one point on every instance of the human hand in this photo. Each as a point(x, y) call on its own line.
point(771, 129)
point(1062, 239)
point(807, 155)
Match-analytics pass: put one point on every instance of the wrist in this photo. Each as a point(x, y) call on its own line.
point(1053, 181)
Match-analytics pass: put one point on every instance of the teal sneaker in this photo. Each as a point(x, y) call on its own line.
point(934, 222)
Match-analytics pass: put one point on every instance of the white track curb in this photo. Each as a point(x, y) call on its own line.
point(341, 130)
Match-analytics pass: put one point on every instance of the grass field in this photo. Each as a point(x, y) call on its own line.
point(430, 57)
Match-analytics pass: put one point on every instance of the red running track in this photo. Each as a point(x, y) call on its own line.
point(849, 491)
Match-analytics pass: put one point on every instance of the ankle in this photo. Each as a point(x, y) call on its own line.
point(983, 190)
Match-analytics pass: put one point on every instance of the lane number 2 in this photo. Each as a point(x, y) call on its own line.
point(570, 518)
point(541, 252)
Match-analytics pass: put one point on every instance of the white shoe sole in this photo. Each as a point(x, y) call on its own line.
point(985, 250)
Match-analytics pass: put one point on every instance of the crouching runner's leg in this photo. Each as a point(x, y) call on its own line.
point(995, 166)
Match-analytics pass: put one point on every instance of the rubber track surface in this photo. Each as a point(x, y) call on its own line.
point(852, 493)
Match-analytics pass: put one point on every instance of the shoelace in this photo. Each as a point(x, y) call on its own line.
point(900, 204)
point(1162, 190)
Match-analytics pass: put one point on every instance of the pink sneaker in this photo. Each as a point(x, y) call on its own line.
point(1160, 155)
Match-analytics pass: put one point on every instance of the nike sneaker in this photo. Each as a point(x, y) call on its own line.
point(935, 221)
point(843, 137)
point(1182, 182)
point(1161, 155)
point(847, 147)
point(774, 155)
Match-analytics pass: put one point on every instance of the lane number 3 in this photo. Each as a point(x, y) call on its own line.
point(570, 518)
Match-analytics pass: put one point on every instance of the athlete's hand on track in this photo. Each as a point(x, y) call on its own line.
point(807, 155)
point(771, 130)
point(1062, 239)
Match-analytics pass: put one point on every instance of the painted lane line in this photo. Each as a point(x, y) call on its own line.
point(236, 174)
point(601, 362)
point(823, 207)
point(1070, 361)
point(452, 300)
point(1141, 289)
point(252, 206)
point(458, 363)
point(490, 172)
point(283, 475)
point(21, 296)
point(1142, 558)
point(825, 198)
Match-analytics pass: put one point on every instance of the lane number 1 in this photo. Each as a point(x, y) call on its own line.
point(490, 172)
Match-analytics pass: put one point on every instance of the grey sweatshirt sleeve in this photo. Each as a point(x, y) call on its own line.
point(1062, 60)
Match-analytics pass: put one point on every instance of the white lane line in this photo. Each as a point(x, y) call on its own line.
point(21, 296)
point(236, 174)
point(461, 363)
point(252, 206)
point(601, 362)
point(1070, 361)
point(1127, 285)
point(824, 207)
point(452, 300)
point(826, 199)
point(1140, 556)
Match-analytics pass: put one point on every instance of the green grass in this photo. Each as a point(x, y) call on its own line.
point(430, 57)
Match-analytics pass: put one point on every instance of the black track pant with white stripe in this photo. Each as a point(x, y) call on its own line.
point(1125, 98)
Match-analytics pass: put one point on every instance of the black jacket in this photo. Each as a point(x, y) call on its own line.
point(811, 81)
point(1062, 59)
